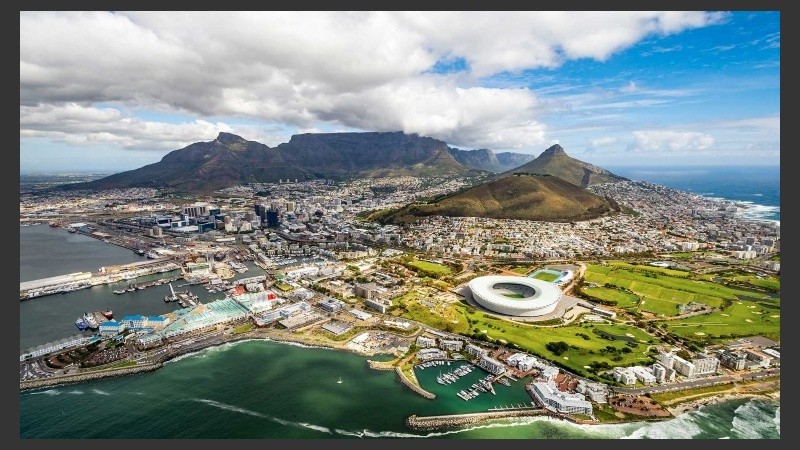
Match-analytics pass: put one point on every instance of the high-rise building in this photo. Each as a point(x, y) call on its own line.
point(272, 219)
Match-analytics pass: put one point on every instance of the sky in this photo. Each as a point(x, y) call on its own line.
point(114, 91)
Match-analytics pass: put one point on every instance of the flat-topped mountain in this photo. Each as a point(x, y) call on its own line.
point(229, 160)
point(520, 196)
point(555, 161)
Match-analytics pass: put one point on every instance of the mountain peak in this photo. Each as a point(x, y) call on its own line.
point(554, 150)
point(228, 138)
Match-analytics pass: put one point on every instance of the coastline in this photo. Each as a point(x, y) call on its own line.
point(414, 421)
point(694, 405)
point(270, 335)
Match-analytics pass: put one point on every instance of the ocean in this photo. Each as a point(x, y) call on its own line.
point(758, 187)
point(271, 390)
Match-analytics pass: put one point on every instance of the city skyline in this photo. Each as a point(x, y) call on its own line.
point(647, 88)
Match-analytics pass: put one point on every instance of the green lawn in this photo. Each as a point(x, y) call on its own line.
point(521, 270)
point(534, 339)
point(442, 316)
point(742, 318)
point(429, 267)
point(546, 276)
point(626, 278)
point(244, 328)
point(623, 299)
point(649, 268)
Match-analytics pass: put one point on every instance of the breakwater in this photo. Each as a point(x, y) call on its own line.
point(86, 376)
point(409, 384)
point(459, 420)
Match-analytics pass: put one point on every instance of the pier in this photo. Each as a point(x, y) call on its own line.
point(83, 280)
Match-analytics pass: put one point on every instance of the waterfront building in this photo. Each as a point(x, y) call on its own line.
point(548, 396)
point(135, 322)
point(425, 342)
point(598, 392)
point(427, 354)
point(474, 350)
point(491, 365)
point(549, 372)
point(682, 366)
point(451, 344)
point(522, 361)
point(75, 341)
point(666, 359)
point(660, 372)
point(707, 365)
point(111, 327)
point(624, 375)
point(760, 359)
point(643, 375)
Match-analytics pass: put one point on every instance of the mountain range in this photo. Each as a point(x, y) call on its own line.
point(229, 160)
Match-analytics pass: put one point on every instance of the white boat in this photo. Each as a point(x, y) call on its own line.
point(340, 381)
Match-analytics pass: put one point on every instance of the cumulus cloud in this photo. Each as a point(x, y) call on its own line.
point(366, 70)
point(79, 125)
point(669, 140)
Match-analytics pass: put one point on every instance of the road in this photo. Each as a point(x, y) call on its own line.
point(700, 382)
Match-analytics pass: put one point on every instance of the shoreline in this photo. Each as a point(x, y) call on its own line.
point(695, 405)
point(440, 422)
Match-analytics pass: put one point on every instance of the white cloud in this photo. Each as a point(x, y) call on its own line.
point(669, 140)
point(602, 142)
point(79, 125)
point(365, 70)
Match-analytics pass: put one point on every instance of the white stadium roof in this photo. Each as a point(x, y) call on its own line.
point(538, 297)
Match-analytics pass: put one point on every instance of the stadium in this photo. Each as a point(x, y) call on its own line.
point(515, 296)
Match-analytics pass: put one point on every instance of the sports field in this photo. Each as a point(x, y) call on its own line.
point(429, 268)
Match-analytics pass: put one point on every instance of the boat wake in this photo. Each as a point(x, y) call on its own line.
point(47, 392)
point(99, 392)
point(249, 412)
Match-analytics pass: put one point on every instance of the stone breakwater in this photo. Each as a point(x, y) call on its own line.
point(86, 376)
point(460, 420)
point(379, 365)
point(407, 383)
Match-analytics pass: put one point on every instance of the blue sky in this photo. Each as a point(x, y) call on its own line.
point(613, 88)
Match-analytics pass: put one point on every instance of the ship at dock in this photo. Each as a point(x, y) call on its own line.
point(81, 324)
point(91, 321)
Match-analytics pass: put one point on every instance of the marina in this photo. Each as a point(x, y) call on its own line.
point(463, 381)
